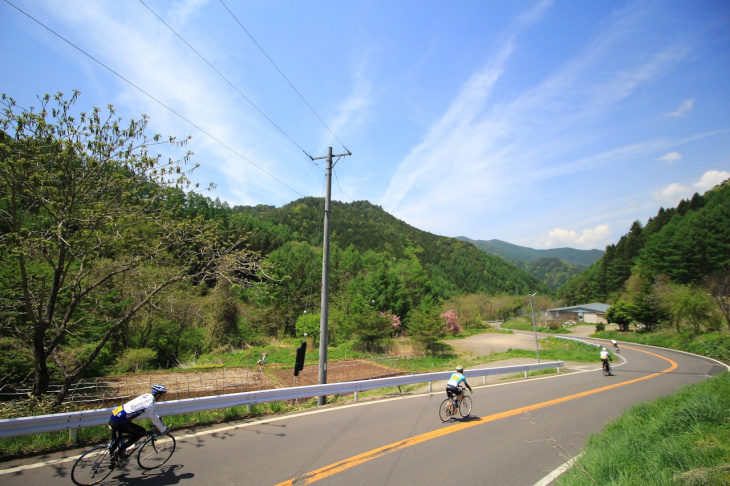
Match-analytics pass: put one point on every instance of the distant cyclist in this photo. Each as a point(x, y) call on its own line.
point(121, 418)
point(452, 387)
point(615, 345)
point(605, 357)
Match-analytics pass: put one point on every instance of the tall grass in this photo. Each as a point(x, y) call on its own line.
point(681, 439)
point(714, 345)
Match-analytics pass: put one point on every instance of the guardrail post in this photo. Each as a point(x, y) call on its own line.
point(525, 375)
point(355, 396)
point(73, 435)
point(430, 386)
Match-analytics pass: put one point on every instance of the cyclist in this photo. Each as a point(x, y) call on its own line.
point(605, 356)
point(121, 418)
point(615, 344)
point(452, 387)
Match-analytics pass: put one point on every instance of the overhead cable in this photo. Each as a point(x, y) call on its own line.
point(284, 76)
point(225, 79)
point(151, 97)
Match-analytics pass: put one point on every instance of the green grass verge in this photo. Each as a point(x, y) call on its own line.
point(525, 324)
point(682, 439)
point(712, 344)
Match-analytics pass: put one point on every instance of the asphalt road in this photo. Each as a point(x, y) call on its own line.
point(519, 432)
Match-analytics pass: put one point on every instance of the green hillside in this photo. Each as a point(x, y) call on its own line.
point(554, 266)
point(519, 254)
point(457, 266)
point(670, 269)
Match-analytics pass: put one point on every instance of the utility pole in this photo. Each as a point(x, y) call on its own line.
point(534, 329)
point(324, 317)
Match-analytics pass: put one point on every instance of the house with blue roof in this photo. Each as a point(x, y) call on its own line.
point(593, 313)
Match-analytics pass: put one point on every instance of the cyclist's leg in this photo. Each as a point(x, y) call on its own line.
point(116, 437)
point(133, 433)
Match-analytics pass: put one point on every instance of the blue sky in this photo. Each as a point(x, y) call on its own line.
point(542, 123)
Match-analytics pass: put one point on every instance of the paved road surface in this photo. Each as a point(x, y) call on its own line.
point(518, 433)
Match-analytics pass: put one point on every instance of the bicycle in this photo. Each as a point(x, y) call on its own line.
point(615, 348)
point(606, 368)
point(450, 405)
point(96, 464)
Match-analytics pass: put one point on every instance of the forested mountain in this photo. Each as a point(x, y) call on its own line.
point(682, 245)
point(554, 266)
point(453, 266)
point(109, 264)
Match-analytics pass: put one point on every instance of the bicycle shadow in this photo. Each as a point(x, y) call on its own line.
point(468, 418)
point(163, 475)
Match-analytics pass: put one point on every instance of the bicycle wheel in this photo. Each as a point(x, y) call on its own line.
point(465, 406)
point(606, 369)
point(156, 451)
point(92, 467)
point(445, 410)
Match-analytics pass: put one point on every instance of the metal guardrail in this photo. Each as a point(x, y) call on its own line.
point(74, 420)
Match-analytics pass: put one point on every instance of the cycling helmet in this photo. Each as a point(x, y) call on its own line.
point(604, 349)
point(459, 369)
point(157, 389)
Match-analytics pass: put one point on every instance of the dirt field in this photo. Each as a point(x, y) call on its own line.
point(190, 384)
point(197, 383)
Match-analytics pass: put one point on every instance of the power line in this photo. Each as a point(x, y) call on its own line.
point(151, 97)
point(225, 79)
point(284, 76)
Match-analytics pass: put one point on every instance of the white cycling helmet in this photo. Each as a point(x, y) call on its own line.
point(604, 349)
point(157, 389)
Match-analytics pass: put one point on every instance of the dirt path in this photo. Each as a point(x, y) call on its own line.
point(490, 343)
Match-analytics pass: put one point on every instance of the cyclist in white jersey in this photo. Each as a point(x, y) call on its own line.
point(122, 417)
point(605, 356)
point(452, 387)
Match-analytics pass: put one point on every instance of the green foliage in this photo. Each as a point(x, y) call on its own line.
point(426, 326)
point(621, 313)
point(17, 360)
point(693, 425)
point(135, 359)
point(308, 325)
point(684, 244)
point(98, 230)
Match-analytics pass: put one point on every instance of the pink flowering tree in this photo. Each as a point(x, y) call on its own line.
point(451, 321)
point(393, 321)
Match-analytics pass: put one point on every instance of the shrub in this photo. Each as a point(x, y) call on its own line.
point(135, 359)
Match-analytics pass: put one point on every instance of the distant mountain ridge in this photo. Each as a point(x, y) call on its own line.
point(554, 266)
point(522, 254)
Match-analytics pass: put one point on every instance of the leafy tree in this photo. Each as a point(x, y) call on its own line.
point(295, 286)
point(309, 324)
point(426, 325)
point(85, 220)
point(692, 306)
point(451, 321)
point(621, 313)
point(718, 284)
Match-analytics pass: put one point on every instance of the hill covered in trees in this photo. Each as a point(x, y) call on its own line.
point(668, 270)
point(109, 263)
point(553, 266)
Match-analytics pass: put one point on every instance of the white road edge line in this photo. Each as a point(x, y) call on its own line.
point(557, 472)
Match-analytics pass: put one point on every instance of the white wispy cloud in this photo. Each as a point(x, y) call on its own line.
point(588, 238)
point(672, 194)
point(671, 157)
point(683, 109)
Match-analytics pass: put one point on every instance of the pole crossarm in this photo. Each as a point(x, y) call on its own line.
point(328, 156)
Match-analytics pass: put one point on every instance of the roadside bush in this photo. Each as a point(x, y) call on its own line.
point(135, 359)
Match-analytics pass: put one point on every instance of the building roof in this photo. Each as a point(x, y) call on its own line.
point(594, 308)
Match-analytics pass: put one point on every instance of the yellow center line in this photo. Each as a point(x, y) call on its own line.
point(353, 461)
